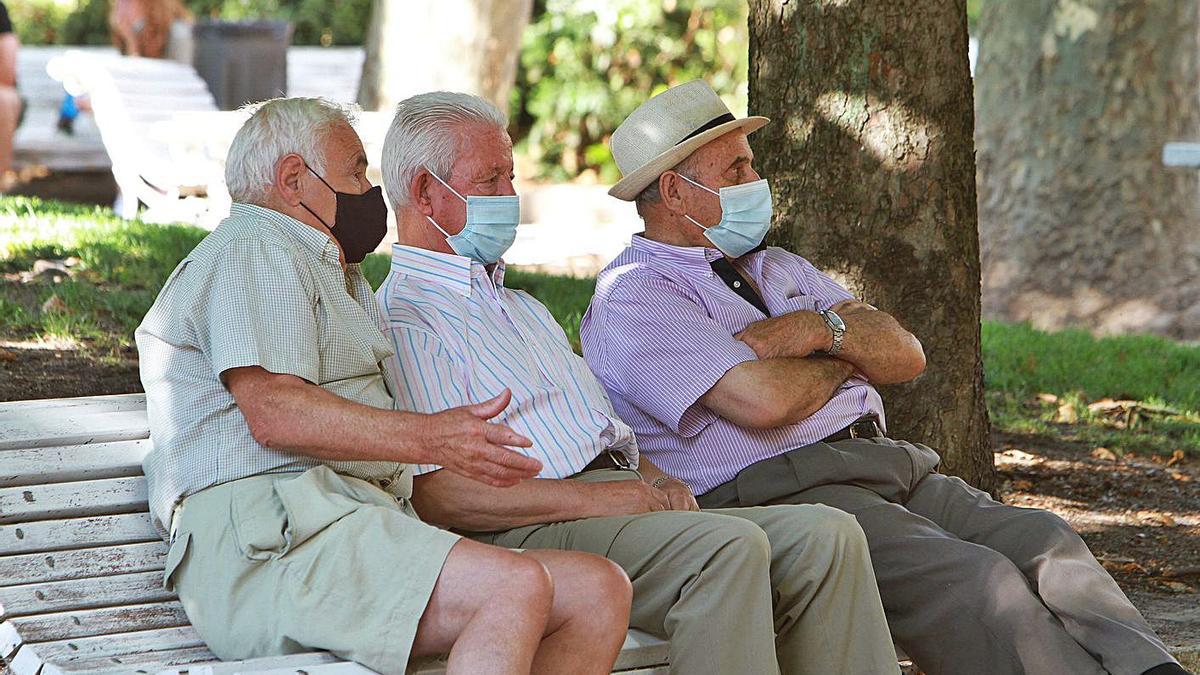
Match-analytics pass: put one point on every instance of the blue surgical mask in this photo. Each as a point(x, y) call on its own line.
point(745, 217)
point(490, 229)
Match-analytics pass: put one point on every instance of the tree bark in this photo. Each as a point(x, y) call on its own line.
point(871, 163)
point(415, 46)
point(1081, 224)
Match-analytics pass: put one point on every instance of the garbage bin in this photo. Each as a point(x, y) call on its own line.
point(242, 62)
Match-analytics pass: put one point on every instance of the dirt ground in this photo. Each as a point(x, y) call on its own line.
point(1139, 515)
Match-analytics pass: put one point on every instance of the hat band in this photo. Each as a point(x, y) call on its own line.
point(711, 124)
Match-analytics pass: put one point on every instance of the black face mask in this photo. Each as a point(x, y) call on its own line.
point(360, 222)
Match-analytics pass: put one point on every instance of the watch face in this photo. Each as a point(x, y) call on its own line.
point(835, 320)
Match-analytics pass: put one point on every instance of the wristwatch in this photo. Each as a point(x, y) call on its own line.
point(837, 327)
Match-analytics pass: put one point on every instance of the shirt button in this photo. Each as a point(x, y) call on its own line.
point(737, 284)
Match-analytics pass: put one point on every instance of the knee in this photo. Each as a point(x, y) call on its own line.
point(738, 539)
point(529, 581)
point(609, 593)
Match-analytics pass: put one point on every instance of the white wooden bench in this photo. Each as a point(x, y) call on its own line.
point(81, 564)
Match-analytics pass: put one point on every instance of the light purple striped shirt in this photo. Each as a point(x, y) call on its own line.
point(659, 335)
point(461, 337)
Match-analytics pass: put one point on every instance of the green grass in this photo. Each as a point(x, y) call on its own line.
point(123, 263)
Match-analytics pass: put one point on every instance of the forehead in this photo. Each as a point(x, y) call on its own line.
point(343, 146)
point(483, 146)
point(724, 149)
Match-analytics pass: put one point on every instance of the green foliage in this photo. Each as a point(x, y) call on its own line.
point(73, 22)
point(586, 64)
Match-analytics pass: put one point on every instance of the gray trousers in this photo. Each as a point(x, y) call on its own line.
point(761, 591)
point(970, 586)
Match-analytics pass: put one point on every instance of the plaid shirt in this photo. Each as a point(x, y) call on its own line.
point(262, 290)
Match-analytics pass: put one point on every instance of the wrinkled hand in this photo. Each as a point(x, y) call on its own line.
point(463, 441)
point(796, 334)
point(680, 495)
point(848, 307)
point(629, 497)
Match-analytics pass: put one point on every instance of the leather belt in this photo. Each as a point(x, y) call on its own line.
point(865, 427)
point(609, 459)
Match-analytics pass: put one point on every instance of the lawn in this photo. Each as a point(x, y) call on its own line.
point(1128, 394)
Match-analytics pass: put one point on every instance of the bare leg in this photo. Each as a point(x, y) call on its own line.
point(488, 610)
point(10, 109)
point(590, 616)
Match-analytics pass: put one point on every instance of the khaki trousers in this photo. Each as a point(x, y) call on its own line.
point(971, 586)
point(739, 591)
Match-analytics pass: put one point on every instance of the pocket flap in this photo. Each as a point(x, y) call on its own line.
point(175, 556)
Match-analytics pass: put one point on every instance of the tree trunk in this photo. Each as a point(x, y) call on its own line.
point(1080, 222)
point(871, 163)
point(415, 46)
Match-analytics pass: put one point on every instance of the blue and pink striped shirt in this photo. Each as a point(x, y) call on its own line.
point(659, 334)
point(461, 337)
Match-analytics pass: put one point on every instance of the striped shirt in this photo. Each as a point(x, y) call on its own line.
point(461, 337)
point(659, 334)
point(266, 290)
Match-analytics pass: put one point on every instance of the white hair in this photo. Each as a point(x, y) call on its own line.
point(424, 134)
point(279, 127)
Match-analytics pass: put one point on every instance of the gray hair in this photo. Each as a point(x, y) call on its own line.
point(279, 127)
point(652, 194)
point(424, 134)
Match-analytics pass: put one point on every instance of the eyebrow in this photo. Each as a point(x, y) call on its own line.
point(360, 161)
point(738, 160)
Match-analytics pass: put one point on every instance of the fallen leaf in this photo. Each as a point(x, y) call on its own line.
point(1164, 519)
point(1180, 476)
point(6, 355)
point(1178, 587)
point(1105, 454)
point(1176, 458)
point(1066, 414)
point(1047, 398)
point(1022, 485)
point(54, 304)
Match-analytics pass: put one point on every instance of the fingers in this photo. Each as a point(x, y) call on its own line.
point(500, 434)
point(662, 498)
point(488, 409)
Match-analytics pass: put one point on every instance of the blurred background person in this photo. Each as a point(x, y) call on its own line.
point(10, 101)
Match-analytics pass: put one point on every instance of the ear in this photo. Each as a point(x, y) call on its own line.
point(289, 173)
point(418, 192)
point(668, 186)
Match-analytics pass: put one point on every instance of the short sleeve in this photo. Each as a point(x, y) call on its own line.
point(662, 352)
point(260, 310)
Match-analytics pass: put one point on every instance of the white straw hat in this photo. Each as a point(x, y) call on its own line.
point(663, 131)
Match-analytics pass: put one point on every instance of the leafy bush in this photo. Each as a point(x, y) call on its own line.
point(74, 22)
point(586, 64)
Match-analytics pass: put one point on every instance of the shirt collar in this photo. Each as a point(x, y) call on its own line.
point(307, 236)
point(452, 271)
point(696, 259)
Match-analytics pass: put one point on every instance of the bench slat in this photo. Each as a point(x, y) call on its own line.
point(269, 664)
point(165, 661)
point(120, 644)
point(97, 592)
point(60, 464)
point(72, 500)
point(641, 649)
point(33, 568)
point(104, 621)
point(74, 533)
point(98, 419)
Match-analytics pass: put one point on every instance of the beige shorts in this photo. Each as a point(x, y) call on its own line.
point(287, 563)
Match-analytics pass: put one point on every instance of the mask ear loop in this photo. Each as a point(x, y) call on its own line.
point(314, 214)
point(704, 187)
point(429, 218)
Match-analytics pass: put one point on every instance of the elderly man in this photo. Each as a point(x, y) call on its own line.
point(704, 580)
point(748, 373)
point(280, 469)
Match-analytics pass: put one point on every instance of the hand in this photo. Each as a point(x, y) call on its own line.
point(680, 495)
point(848, 307)
point(463, 441)
point(627, 498)
point(795, 334)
